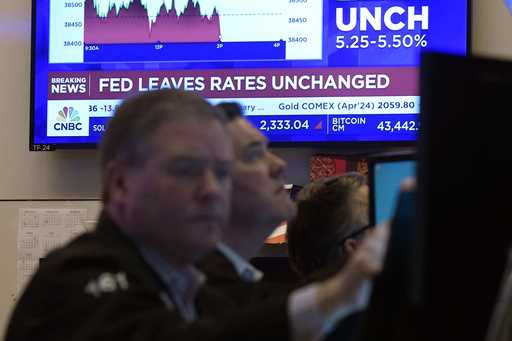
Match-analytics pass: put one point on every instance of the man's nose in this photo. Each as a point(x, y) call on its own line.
point(277, 166)
point(210, 186)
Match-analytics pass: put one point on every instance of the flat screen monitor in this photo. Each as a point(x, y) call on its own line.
point(386, 173)
point(448, 251)
point(464, 185)
point(396, 292)
point(305, 71)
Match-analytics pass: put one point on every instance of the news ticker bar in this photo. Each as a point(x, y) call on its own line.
point(318, 118)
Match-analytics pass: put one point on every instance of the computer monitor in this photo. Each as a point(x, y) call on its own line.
point(464, 180)
point(461, 229)
point(396, 293)
point(386, 172)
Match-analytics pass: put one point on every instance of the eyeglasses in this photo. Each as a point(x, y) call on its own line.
point(355, 234)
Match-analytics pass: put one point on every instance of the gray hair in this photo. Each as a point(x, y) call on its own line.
point(130, 130)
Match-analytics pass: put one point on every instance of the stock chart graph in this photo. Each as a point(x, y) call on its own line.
point(103, 31)
point(154, 7)
point(150, 21)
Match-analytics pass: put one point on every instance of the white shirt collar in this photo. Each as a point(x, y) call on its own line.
point(245, 270)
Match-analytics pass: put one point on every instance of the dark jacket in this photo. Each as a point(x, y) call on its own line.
point(222, 276)
point(98, 287)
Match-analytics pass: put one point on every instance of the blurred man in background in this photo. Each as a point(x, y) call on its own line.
point(166, 162)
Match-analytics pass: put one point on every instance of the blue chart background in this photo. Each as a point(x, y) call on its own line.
point(447, 32)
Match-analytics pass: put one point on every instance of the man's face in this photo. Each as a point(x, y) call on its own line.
point(257, 178)
point(360, 208)
point(361, 199)
point(178, 201)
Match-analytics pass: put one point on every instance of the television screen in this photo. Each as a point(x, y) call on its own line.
point(304, 70)
point(386, 177)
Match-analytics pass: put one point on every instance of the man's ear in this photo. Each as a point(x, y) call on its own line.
point(115, 181)
point(350, 246)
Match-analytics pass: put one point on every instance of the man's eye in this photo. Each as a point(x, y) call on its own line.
point(254, 155)
point(223, 173)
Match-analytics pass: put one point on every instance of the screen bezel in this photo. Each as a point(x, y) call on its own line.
point(300, 144)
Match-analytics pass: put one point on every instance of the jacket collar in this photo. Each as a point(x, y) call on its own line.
point(243, 268)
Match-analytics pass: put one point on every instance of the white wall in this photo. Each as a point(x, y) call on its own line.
point(23, 174)
point(492, 28)
point(67, 174)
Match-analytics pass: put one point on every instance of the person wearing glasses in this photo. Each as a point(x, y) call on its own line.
point(331, 220)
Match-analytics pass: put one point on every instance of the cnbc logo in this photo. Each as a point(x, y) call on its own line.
point(68, 119)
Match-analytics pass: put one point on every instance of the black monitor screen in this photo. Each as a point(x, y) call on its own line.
point(464, 182)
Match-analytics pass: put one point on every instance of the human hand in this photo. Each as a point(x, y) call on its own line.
point(367, 261)
point(344, 288)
